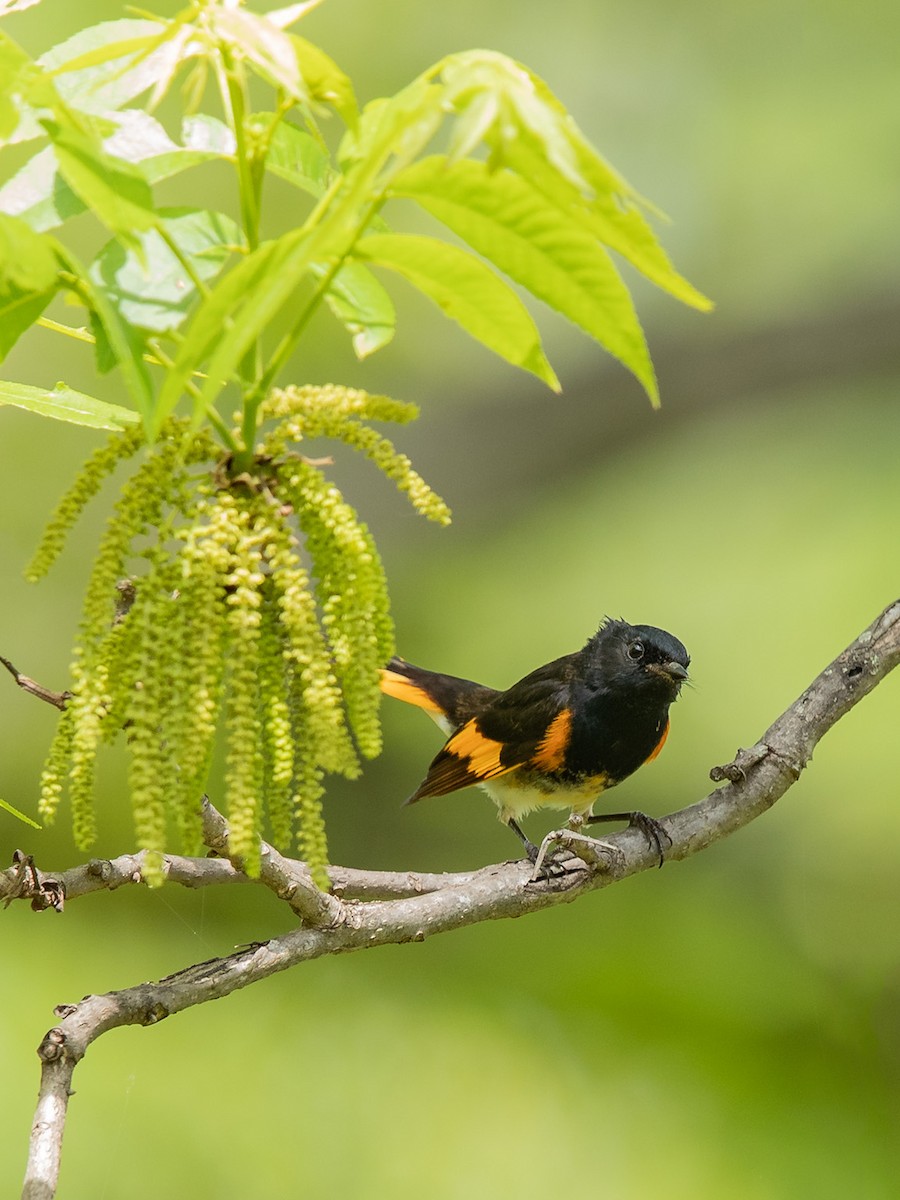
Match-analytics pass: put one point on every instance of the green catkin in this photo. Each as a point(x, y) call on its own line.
point(99, 466)
point(278, 741)
point(244, 583)
point(352, 594)
point(56, 767)
point(313, 685)
point(332, 411)
point(200, 636)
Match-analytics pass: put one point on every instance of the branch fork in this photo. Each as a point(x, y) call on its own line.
point(369, 908)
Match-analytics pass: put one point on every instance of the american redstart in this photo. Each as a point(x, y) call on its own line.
point(559, 737)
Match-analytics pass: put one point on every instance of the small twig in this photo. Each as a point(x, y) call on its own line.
point(57, 699)
point(290, 880)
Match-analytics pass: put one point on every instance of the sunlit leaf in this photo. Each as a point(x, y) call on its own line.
point(262, 44)
point(150, 286)
point(297, 157)
point(216, 318)
point(324, 79)
point(362, 305)
point(466, 290)
point(13, 61)
point(501, 216)
point(29, 279)
point(39, 195)
point(115, 191)
point(65, 404)
point(110, 330)
point(611, 213)
point(92, 71)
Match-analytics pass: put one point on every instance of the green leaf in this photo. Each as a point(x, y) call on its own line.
point(466, 290)
point(13, 63)
point(236, 297)
point(261, 44)
point(501, 216)
point(361, 304)
point(149, 285)
point(325, 80)
point(93, 68)
point(124, 345)
point(205, 139)
point(39, 195)
point(29, 279)
point(115, 191)
point(296, 156)
point(3, 804)
point(611, 213)
point(62, 403)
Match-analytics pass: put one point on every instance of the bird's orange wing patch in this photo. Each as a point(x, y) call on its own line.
point(659, 744)
point(551, 752)
point(479, 754)
point(397, 685)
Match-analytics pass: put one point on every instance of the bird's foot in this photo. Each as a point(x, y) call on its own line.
point(575, 845)
point(652, 829)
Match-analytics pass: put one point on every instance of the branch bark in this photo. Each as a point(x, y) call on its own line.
point(426, 905)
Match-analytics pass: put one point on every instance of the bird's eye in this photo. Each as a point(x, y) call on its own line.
point(636, 651)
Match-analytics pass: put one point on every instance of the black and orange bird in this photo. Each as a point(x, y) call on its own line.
point(559, 737)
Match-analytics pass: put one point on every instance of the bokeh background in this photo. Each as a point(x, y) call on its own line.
point(728, 1027)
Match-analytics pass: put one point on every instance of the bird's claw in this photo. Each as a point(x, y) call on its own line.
point(653, 831)
point(591, 851)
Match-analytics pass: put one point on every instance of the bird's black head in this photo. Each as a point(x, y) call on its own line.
point(639, 660)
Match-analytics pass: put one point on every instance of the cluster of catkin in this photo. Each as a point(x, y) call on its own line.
point(256, 601)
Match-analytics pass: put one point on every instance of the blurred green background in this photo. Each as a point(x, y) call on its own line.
point(728, 1027)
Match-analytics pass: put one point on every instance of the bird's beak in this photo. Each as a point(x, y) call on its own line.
point(671, 670)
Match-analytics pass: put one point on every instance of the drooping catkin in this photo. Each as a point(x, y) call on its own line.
point(252, 596)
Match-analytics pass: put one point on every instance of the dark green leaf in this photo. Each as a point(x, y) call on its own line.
point(29, 278)
point(64, 404)
point(466, 290)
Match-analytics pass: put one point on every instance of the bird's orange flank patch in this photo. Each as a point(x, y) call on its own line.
point(551, 751)
point(401, 688)
point(659, 744)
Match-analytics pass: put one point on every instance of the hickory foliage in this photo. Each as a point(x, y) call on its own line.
point(234, 584)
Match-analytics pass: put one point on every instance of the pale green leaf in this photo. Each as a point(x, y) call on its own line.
point(611, 212)
point(63, 403)
point(105, 66)
point(149, 285)
point(466, 290)
point(3, 804)
point(297, 157)
point(39, 195)
point(261, 44)
point(324, 79)
point(125, 347)
point(216, 319)
point(114, 190)
point(29, 279)
point(361, 304)
point(501, 216)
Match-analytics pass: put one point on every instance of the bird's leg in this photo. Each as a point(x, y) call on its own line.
point(652, 830)
point(530, 848)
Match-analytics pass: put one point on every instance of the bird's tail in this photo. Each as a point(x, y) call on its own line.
point(448, 700)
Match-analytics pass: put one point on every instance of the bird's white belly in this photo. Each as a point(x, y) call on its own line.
point(516, 798)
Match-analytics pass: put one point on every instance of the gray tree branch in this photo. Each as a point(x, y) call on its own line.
point(752, 783)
